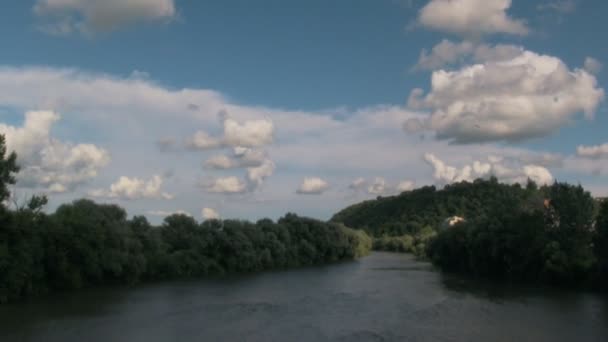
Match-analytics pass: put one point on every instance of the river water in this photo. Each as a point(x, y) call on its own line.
point(383, 297)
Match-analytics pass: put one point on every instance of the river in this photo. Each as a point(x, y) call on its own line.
point(383, 297)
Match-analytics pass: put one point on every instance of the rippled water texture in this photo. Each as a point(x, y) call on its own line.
point(384, 297)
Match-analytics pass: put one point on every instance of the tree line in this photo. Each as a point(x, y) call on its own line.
point(562, 242)
point(86, 244)
point(554, 234)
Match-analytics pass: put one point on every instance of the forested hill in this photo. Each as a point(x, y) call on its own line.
point(556, 234)
point(411, 211)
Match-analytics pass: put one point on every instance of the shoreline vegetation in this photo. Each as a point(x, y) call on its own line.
point(554, 235)
point(85, 244)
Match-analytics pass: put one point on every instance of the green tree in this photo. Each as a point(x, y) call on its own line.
point(601, 241)
point(8, 169)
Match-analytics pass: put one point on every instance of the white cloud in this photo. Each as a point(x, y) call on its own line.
point(446, 174)
point(250, 133)
point(496, 53)
point(527, 96)
point(444, 53)
point(592, 65)
point(471, 18)
point(447, 53)
point(538, 174)
point(164, 213)
point(210, 214)
point(257, 175)
point(46, 162)
point(203, 141)
point(134, 188)
point(93, 16)
point(250, 157)
point(243, 157)
point(258, 168)
point(128, 115)
point(221, 162)
point(244, 138)
point(312, 186)
point(594, 152)
point(405, 186)
point(377, 187)
point(225, 185)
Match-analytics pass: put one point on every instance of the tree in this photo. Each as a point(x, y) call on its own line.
point(601, 241)
point(568, 254)
point(8, 169)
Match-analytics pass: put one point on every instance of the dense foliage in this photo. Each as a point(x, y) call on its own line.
point(84, 244)
point(553, 244)
point(415, 244)
point(556, 234)
point(600, 243)
point(426, 207)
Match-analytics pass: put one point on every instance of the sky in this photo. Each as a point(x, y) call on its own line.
point(252, 109)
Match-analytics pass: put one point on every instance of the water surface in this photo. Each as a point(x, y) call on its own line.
point(384, 297)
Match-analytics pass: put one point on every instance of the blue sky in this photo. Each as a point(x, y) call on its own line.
point(317, 89)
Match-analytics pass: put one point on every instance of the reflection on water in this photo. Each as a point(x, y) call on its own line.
point(385, 297)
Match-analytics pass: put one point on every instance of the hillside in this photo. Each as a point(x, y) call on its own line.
point(411, 211)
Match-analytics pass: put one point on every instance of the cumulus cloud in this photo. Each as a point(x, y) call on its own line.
point(444, 53)
point(377, 187)
point(471, 18)
point(523, 97)
point(225, 185)
point(93, 16)
point(243, 157)
point(203, 141)
point(447, 53)
point(210, 214)
point(245, 138)
point(134, 188)
point(221, 162)
point(592, 65)
point(312, 186)
point(46, 162)
point(257, 175)
point(250, 133)
point(446, 174)
point(405, 185)
point(594, 152)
